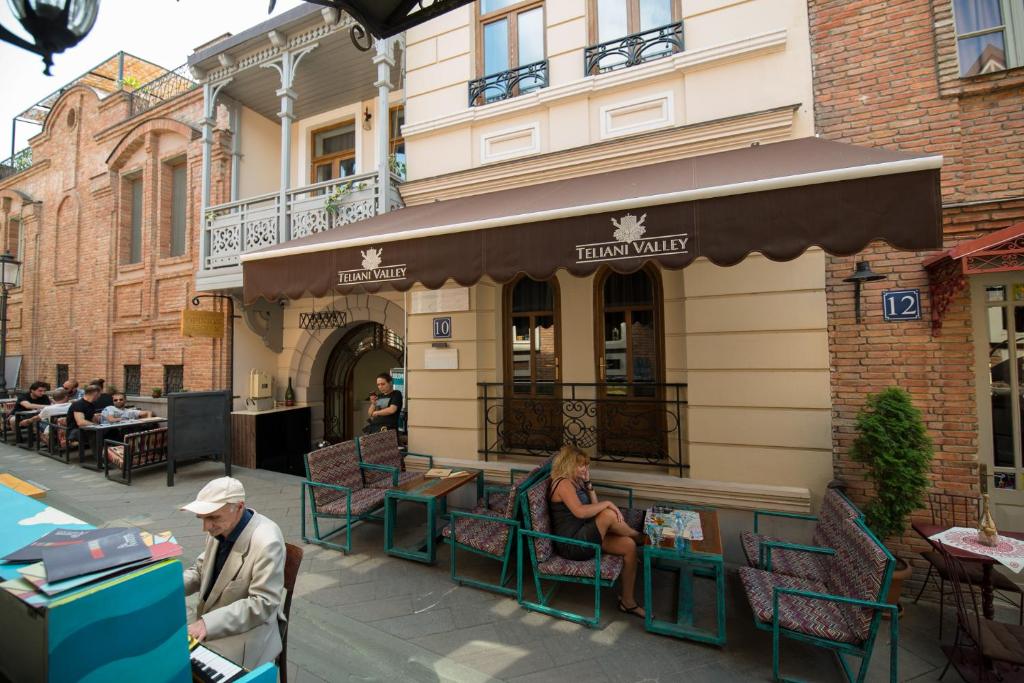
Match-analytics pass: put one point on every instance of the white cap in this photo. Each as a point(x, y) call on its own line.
point(216, 495)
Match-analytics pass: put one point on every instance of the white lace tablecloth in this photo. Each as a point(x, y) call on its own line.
point(1008, 552)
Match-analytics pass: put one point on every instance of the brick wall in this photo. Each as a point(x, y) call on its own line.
point(883, 77)
point(72, 213)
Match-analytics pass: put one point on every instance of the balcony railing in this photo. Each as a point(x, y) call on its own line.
point(635, 423)
point(506, 84)
point(21, 161)
point(231, 230)
point(633, 49)
point(157, 91)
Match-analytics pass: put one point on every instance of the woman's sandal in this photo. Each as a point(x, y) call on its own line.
point(635, 610)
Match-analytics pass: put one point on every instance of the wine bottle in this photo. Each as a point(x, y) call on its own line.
point(289, 394)
point(987, 532)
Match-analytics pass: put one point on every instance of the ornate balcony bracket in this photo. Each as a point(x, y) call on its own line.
point(634, 49)
point(506, 84)
point(266, 318)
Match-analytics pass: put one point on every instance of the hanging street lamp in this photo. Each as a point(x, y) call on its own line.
point(385, 18)
point(54, 25)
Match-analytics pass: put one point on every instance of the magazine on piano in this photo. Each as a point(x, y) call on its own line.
point(33, 552)
point(120, 547)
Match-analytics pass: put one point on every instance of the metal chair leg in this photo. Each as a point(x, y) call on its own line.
point(924, 584)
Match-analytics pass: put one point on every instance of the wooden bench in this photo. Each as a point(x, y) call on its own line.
point(138, 451)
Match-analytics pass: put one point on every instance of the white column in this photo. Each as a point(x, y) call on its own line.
point(210, 92)
point(236, 147)
point(384, 59)
point(286, 65)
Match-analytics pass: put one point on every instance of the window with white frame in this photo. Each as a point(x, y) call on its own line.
point(989, 35)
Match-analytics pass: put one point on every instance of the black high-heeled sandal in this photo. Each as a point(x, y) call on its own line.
point(635, 610)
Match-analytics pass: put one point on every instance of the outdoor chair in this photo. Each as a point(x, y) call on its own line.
point(950, 509)
point(798, 559)
point(842, 613)
point(54, 444)
point(381, 448)
point(488, 533)
point(7, 407)
point(137, 451)
point(990, 640)
point(336, 490)
point(292, 559)
point(602, 571)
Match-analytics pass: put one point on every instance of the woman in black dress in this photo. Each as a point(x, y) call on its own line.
point(577, 513)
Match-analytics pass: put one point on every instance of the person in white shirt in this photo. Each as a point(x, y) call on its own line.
point(118, 413)
point(59, 407)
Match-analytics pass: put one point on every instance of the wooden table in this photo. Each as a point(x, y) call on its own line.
point(928, 530)
point(702, 559)
point(433, 495)
point(97, 433)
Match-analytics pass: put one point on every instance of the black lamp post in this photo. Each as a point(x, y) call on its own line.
point(861, 274)
point(10, 273)
point(54, 25)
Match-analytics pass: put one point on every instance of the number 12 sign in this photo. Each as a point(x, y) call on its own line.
point(901, 304)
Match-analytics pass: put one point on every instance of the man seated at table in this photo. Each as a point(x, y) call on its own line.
point(83, 412)
point(103, 400)
point(33, 399)
point(118, 413)
point(47, 415)
point(239, 577)
point(71, 387)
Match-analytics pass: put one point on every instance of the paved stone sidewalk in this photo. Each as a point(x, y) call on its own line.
point(370, 617)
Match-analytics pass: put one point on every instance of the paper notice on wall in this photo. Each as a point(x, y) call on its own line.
point(440, 300)
point(441, 359)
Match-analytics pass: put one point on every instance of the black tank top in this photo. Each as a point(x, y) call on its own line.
point(563, 522)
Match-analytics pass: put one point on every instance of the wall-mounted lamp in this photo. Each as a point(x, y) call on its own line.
point(367, 120)
point(861, 274)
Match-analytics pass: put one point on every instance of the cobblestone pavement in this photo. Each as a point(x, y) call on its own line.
point(370, 617)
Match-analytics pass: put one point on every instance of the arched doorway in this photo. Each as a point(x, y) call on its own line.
point(359, 356)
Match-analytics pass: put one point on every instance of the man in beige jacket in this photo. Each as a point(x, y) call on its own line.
point(239, 577)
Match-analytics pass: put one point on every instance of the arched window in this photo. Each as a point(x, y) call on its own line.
point(531, 336)
point(629, 337)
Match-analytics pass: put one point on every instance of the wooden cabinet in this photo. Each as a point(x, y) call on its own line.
point(272, 439)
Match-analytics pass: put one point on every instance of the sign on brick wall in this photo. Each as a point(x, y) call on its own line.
point(202, 324)
point(901, 304)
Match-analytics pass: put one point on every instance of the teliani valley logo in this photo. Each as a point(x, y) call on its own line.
point(630, 242)
point(372, 269)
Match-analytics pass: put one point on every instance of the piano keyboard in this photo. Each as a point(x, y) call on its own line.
point(210, 667)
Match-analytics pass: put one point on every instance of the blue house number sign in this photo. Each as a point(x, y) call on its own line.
point(443, 328)
point(901, 304)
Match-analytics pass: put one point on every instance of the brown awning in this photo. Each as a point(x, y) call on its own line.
point(1001, 251)
point(776, 199)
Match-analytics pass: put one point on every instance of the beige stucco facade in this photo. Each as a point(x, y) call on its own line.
point(749, 341)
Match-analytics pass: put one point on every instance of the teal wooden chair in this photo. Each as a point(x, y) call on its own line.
point(535, 535)
point(487, 533)
point(336, 491)
point(843, 613)
point(799, 559)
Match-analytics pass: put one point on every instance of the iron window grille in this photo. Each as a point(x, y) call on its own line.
point(507, 84)
point(636, 48)
point(174, 378)
point(62, 373)
point(133, 380)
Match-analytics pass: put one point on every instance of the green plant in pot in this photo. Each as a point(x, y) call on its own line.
point(157, 392)
point(893, 442)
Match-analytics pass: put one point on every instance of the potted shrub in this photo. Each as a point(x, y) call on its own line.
point(157, 392)
point(893, 443)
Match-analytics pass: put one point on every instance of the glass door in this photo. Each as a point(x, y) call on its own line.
point(630, 407)
point(1004, 322)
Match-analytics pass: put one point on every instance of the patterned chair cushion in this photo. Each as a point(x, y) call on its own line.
point(337, 464)
point(611, 567)
point(634, 517)
point(803, 615)
point(540, 518)
point(497, 501)
point(115, 456)
point(363, 501)
point(857, 571)
point(148, 447)
point(490, 537)
point(62, 434)
point(835, 509)
point(789, 562)
point(380, 448)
